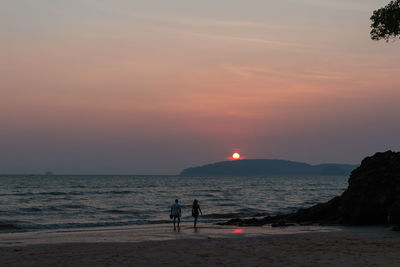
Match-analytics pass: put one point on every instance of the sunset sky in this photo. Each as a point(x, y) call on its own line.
point(155, 86)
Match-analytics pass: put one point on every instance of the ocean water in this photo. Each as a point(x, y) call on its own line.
point(34, 203)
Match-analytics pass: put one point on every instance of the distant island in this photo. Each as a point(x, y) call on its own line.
point(268, 167)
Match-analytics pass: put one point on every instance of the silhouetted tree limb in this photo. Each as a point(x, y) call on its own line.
point(386, 22)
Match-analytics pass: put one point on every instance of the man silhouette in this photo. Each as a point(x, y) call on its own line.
point(176, 212)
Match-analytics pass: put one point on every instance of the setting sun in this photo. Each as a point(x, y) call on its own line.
point(236, 156)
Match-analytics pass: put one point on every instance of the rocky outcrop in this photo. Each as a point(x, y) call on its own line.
point(373, 194)
point(372, 197)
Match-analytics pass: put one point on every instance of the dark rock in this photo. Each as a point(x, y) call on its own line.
point(306, 223)
point(282, 224)
point(372, 198)
point(374, 189)
point(235, 221)
point(394, 214)
point(396, 228)
point(253, 222)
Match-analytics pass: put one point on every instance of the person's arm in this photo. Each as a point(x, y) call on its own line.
point(200, 211)
point(170, 211)
point(180, 211)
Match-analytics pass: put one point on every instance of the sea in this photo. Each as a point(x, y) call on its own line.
point(56, 202)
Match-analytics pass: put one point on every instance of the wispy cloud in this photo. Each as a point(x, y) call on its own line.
point(259, 72)
point(322, 75)
point(228, 30)
point(247, 71)
point(247, 39)
point(237, 38)
point(355, 5)
point(206, 21)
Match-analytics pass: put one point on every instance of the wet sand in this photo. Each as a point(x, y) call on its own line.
point(230, 246)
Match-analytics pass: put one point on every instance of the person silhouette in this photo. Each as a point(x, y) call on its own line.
point(176, 212)
point(195, 211)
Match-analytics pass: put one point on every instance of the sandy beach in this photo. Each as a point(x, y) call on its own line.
point(209, 247)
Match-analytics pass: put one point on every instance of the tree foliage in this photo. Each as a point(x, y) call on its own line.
point(386, 22)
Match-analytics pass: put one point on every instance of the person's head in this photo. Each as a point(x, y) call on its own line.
point(176, 200)
point(195, 201)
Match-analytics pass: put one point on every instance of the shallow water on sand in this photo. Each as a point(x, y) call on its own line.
point(153, 232)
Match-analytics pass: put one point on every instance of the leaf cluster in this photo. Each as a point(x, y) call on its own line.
point(386, 22)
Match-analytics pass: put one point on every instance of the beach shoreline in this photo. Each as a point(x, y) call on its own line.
point(152, 232)
point(325, 246)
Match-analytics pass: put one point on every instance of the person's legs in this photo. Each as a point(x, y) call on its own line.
point(179, 220)
point(174, 222)
point(195, 221)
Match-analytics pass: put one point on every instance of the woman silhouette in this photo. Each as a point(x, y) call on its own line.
point(195, 211)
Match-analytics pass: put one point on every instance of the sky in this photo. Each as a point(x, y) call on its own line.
point(155, 86)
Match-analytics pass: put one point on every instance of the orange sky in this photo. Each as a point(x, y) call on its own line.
point(148, 87)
